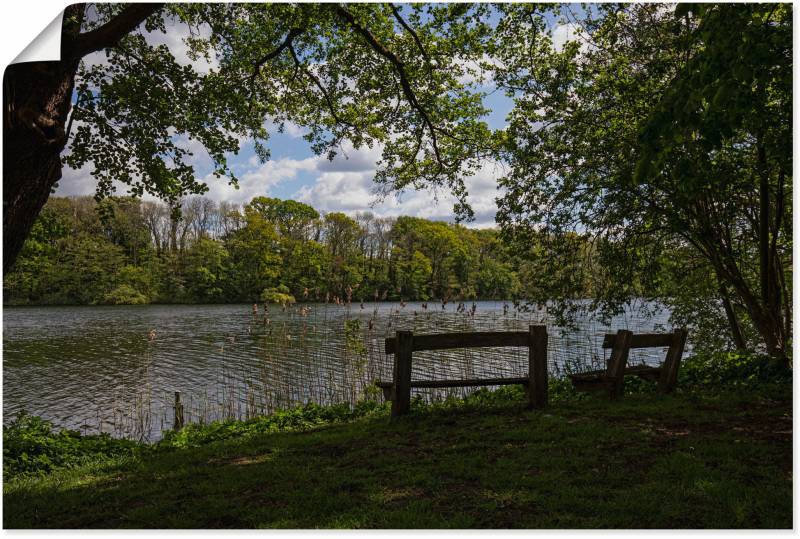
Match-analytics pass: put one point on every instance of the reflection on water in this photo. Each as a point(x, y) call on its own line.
point(116, 369)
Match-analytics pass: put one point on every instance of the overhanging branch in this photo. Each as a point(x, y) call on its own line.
point(109, 33)
point(408, 92)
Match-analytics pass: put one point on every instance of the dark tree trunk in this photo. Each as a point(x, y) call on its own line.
point(37, 97)
point(37, 100)
point(733, 322)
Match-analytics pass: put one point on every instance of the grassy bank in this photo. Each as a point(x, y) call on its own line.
point(705, 457)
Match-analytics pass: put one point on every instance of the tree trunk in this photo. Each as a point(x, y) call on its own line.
point(37, 100)
point(733, 322)
point(37, 97)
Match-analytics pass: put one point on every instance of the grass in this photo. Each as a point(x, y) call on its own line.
point(697, 459)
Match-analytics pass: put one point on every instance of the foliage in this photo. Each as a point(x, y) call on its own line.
point(299, 418)
point(372, 74)
point(278, 295)
point(125, 251)
point(125, 295)
point(734, 370)
point(641, 138)
point(32, 447)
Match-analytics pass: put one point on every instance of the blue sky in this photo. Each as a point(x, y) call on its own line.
point(345, 184)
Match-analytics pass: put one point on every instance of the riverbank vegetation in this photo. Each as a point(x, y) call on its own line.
point(716, 454)
point(127, 251)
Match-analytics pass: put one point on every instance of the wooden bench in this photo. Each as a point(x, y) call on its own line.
point(611, 378)
point(405, 343)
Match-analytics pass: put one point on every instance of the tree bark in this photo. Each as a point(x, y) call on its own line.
point(37, 100)
point(733, 322)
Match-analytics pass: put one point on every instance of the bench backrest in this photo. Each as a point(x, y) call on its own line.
point(479, 339)
point(405, 343)
point(622, 341)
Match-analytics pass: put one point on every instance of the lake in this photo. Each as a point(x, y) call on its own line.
point(116, 369)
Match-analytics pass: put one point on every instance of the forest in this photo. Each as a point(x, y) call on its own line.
point(128, 251)
point(650, 159)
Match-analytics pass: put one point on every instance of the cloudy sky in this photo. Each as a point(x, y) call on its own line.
point(344, 184)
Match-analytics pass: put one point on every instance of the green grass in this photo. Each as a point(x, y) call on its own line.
point(697, 459)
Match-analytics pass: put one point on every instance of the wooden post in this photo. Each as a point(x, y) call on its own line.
point(537, 366)
point(618, 361)
point(402, 373)
point(178, 412)
point(669, 372)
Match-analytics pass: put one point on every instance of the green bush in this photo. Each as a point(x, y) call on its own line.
point(125, 295)
point(299, 418)
point(32, 447)
point(278, 295)
point(731, 369)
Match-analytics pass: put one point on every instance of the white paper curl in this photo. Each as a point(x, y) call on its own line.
point(44, 47)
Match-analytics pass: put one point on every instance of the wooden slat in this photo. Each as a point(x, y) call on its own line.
point(460, 383)
point(669, 376)
point(444, 341)
point(642, 340)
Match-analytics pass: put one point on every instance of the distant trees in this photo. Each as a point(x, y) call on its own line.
point(125, 250)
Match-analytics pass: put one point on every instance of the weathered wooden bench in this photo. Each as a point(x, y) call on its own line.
point(405, 343)
point(611, 378)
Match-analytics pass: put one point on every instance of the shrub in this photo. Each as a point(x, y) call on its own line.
point(736, 369)
point(278, 294)
point(32, 447)
point(125, 294)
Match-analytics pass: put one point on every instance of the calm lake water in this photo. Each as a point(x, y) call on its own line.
point(116, 368)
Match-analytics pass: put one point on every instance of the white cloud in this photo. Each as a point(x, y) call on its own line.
point(350, 190)
point(342, 185)
point(199, 158)
point(175, 40)
point(258, 181)
point(570, 31)
point(474, 73)
point(563, 33)
point(289, 128)
point(294, 130)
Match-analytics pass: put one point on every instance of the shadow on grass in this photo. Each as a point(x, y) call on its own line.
point(590, 464)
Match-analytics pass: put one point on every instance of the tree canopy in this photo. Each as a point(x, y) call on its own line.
point(370, 74)
point(364, 73)
point(126, 251)
point(657, 129)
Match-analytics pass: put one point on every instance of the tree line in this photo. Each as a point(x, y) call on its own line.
point(124, 250)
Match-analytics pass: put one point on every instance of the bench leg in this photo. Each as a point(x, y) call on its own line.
point(401, 402)
point(669, 374)
point(618, 362)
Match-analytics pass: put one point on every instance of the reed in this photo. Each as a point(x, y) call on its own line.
point(279, 358)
